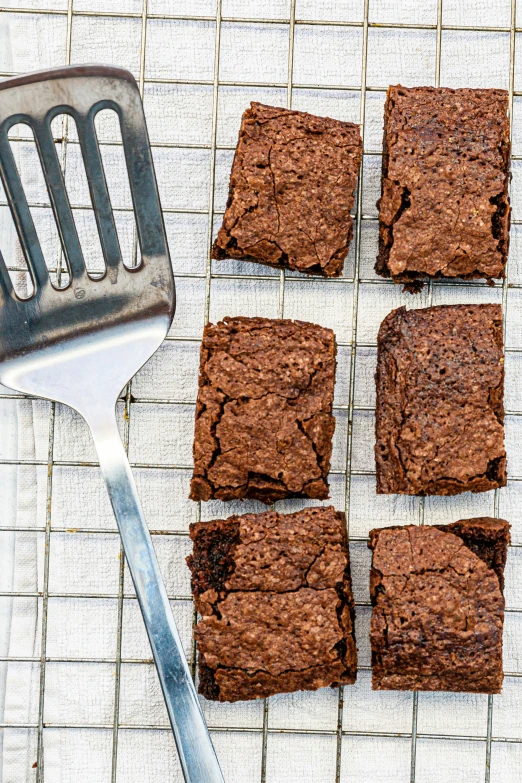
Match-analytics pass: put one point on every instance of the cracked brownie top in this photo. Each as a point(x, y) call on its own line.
point(264, 423)
point(438, 608)
point(275, 597)
point(291, 191)
point(444, 209)
point(440, 414)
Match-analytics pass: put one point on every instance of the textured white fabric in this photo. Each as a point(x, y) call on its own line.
point(82, 632)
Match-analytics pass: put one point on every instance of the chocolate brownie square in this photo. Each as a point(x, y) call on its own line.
point(291, 191)
point(264, 422)
point(440, 413)
point(444, 209)
point(438, 606)
point(275, 599)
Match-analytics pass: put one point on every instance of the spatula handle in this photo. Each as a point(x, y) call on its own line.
point(196, 753)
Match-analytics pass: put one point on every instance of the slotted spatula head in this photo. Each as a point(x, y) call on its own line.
point(63, 343)
point(81, 344)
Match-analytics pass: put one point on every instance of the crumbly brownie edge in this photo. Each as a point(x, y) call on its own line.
point(261, 684)
point(207, 685)
point(212, 560)
point(211, 564)
point(346, 615)
point(411, 281)
point(382, 681)
point(386, 233)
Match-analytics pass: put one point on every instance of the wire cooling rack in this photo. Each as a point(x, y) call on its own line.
point(97, 714)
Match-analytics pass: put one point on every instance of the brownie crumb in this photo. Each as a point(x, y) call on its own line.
point(438, 606)
point(444, 209)
point(440, 413)
point(291, 191)
point(282, 619)
point(264, 422)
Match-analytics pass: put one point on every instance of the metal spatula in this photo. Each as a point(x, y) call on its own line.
point(80, 345)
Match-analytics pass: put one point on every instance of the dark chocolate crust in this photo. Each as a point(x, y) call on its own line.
point(444, 209)
point(264, 422)
point(275, 596)
point(291, 191)
point(440, 413)
point(438, 606)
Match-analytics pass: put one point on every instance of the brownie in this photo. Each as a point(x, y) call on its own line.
point(440, 413)
point(291, 191)
point(444, 209)
point(264, 422)
point(275, 599)
point(438, 606)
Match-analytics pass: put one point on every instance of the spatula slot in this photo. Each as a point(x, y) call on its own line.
point(25, 155)
point(108, 131)
point(77, 187)
point(14, 256)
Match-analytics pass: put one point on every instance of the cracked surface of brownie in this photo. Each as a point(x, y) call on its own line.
point(440, 413)
point(487, 537)
point(264, 422)
point(444, 208)
point(291, 191)
point(276, 604)
point(438, 606)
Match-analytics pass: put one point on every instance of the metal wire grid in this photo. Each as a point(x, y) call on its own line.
point(208, 276)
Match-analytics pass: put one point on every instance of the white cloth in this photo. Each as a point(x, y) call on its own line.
point(81, 693)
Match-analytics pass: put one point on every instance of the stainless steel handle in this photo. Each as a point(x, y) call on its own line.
point(196, 753)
